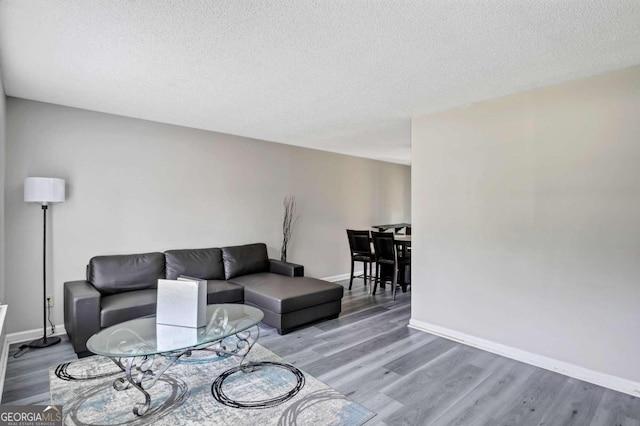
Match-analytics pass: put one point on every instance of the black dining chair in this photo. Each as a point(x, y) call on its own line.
point(360, 247)
point(388, 263)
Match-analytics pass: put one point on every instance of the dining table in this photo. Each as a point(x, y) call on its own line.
point(397, 227)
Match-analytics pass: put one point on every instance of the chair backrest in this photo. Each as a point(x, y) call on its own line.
point(359, 241)
point(384, 245)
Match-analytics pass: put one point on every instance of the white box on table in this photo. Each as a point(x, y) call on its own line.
point(182, 302)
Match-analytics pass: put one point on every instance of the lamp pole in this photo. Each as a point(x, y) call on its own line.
point(44, 272)
point(44, 191)
point(51, 340)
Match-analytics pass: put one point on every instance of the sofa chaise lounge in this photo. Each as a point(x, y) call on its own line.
point(123, 287)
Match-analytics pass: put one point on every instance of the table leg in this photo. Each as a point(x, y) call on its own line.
point(135, 380)
point(137, 373)
point(240, 348)
point(243, 347)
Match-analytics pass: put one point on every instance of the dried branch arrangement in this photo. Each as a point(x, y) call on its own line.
point(288, 221)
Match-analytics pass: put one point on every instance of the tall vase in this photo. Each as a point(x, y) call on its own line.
point(283, 253)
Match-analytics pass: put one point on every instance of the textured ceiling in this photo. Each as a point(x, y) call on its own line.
point(343, 76)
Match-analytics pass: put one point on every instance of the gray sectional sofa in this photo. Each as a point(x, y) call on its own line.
point(123, 287)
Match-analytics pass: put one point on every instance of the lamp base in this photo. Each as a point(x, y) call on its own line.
point(44, 342)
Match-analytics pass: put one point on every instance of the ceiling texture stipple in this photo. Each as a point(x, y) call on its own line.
point(341, 76)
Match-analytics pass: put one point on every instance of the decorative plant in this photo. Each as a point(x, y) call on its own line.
point(288, 221)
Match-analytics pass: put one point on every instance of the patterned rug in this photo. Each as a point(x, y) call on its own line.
point(183, 395)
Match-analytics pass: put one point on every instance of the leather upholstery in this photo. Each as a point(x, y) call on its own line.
point(81, 312)
point(205, 264)
point(120, 288)
point(282, 294)
point(363, 257)
point(286, 268)
point(117, 308)
point(219, 291)
point(243, 260)
point(115, 274)
point(285, 322)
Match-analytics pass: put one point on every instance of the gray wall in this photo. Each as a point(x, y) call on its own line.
point(3, 326)
point(526, 215)
point(136, 186)
point(2, 182)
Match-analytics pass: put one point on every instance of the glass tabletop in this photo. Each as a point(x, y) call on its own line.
point(142, 336)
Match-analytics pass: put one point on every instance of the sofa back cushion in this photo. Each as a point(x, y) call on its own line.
point(118, 273)
point(244, 260)
point(205, 264)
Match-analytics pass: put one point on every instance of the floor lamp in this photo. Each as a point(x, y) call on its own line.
point(44, 191)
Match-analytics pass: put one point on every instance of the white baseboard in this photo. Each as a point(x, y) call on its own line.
point(28, 335)
point(601, 379)
point(341, 277)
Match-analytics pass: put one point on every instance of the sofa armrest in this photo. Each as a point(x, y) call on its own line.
point(285, 268)
point(81, 313)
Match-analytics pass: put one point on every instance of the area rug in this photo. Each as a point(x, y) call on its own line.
point(183, 395)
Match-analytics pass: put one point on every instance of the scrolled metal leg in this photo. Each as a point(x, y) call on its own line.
point(144, 370)
point(248, 343)
point(120, 383)
point(139, 372)
point(141, 376)
point(239, 347)
point(135, 380)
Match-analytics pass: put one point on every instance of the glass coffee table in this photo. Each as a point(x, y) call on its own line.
point(134, 345)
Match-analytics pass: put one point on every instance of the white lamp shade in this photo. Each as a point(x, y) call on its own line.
point(43, 190)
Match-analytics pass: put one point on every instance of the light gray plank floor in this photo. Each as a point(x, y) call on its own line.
point(407, 377)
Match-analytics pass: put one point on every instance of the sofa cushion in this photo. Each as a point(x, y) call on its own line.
point(121, 307)
point(205, 264)
point(219, 291)
point(118, 273)
point(282, 294)
point(243, 260)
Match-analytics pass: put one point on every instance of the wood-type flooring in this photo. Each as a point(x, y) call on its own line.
point(406, 376)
